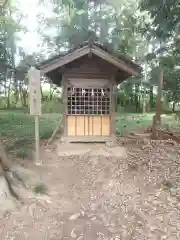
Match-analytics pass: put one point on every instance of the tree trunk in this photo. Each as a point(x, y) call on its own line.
point(137, 99)
point(16, 92)
point(9, 96)
point(158, 99)
point(174, 107)
point(151, 97)
point(5, 84)
point(24, 96)
point(42, 96)
point(144, 106)
point(174, 99)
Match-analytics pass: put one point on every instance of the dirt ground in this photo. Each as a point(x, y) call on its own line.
point(97, 192)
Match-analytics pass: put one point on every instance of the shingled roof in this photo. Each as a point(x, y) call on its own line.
point(122, 62)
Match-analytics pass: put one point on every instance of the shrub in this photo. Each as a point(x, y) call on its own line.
point(21, 153)
point(46, 134)
point(54, 106)
point(118, 132)
point(40, 188)
point(167, 184)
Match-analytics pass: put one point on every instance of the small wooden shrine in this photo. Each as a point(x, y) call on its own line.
point(88, 76)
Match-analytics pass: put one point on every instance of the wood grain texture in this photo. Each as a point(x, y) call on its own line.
point(88, 125)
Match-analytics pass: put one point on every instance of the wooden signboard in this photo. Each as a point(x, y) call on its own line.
point(34, 92)
point(35, 103)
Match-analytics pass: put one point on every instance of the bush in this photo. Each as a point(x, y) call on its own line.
point(54, 106)
point(118, 132)
point(46, 134)
point(40, 188)
point(21, 153)
point(20, 147)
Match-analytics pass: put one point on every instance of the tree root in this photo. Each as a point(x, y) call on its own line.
point(13, 183)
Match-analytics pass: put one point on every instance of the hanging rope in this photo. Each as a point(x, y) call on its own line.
point(83, 91)
point(102, 91)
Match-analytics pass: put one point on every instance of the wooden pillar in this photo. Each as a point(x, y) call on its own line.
point(35, 104)
point(65, 107)
point(113, 113)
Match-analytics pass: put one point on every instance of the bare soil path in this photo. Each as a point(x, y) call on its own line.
point(96, 192)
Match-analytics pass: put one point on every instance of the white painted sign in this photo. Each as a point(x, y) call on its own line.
point(34, 92)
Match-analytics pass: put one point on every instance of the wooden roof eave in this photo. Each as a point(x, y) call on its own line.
point(115, 61)
point(63, 60)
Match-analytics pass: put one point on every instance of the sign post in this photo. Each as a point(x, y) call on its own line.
point(35, 104)
point(37, 138)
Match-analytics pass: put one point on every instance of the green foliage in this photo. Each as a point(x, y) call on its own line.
point(119, 25)
point(18, 129)
point(132, 122)
point(20, 153)
point(129, 122)
point(118, 132)
point(165, 15)
point(53, 106)
point(46, 132)
point(40, 188)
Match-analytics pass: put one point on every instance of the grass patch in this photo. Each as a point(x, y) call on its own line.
point(133, 122)
point(40, 188)
point(18, 128)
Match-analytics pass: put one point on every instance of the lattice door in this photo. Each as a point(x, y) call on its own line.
point(88, 111)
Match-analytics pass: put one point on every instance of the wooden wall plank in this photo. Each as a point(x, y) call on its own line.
point(90, 125)
point(80, 131)
point(71, 125)
point(91, 65)
point(96, 125)
point(86, 123)
point(105, 125)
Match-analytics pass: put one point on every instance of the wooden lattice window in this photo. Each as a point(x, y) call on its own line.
point(88, 101)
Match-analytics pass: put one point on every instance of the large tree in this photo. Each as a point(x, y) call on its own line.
point(165, 15)
point(13, 177)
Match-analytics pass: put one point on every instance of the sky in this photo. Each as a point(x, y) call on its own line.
point(29, 40)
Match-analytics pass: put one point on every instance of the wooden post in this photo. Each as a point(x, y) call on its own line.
point(56, 129)
point(157, 118)
point(35, 105)
point(37, 138)
point(113, 115)
point(65, 107)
